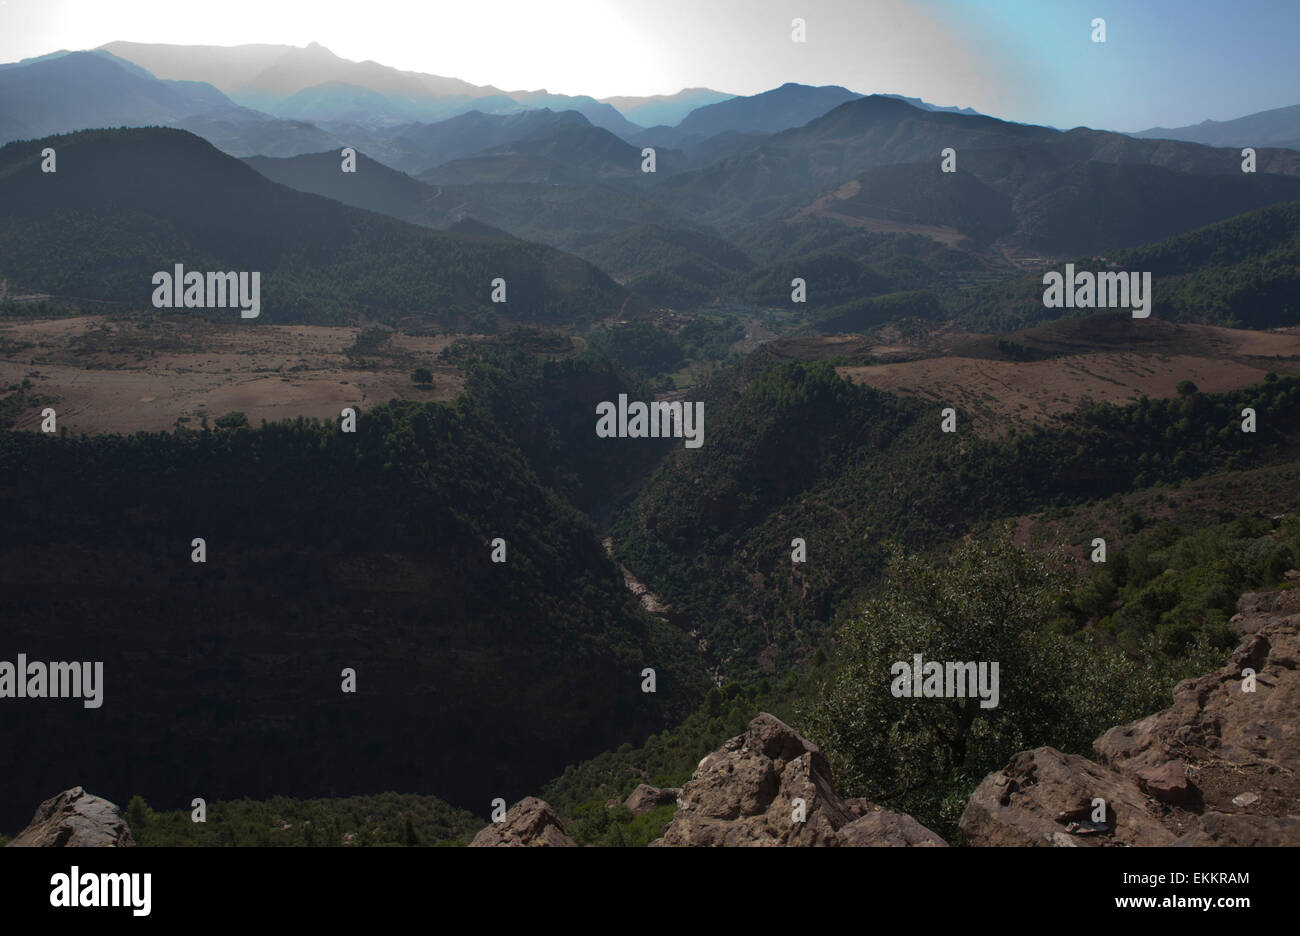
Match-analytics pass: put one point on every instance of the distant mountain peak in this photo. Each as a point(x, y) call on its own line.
point(926, 105)
point(73, 91)
point(1277, 127)
point(790, 105)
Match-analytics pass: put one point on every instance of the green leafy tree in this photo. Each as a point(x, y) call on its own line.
point(421, 375)
point(987, 604)
point(138, 816)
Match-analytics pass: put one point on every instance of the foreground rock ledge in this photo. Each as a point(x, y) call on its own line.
point(743, 794)
point(1218, 767)
point(75, 818)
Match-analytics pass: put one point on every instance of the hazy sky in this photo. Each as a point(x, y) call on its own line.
point(1165, 62)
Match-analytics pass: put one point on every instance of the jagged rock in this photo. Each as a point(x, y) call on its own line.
point(1257, 609)
point(1044, 794)
point(883, 827)
point(1195, 757)
point(530, 822)
point(1167, 783)
point(75, 818)
point(1219, 731)
point(645, 798)
point(1253, 651)
point(744, 792)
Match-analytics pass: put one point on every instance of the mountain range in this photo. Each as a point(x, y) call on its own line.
point(76, 90)
point(313, 83)
point(665, 109)
point(125, 204)
point(1277, 127)
point(747, 190)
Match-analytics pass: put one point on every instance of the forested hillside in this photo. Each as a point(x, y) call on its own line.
point(324, 550)
point(799, 452)
point(128, 203)
point(1240, 272)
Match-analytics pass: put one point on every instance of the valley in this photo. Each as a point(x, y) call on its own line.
point(522, 567)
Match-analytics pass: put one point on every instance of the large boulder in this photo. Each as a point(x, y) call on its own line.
point(75, 818)
point(645, 798)
point(1046, 798)
point(530, 822)
point(745, 793)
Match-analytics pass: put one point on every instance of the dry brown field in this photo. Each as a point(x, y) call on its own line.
point(146, 373)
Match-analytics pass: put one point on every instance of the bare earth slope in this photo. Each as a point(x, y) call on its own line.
point(1001, 393)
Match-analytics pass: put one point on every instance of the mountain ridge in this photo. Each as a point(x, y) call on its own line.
point(145, 198)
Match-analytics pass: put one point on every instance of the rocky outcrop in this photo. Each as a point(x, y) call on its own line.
point(645, 798)
point(882, 827)
point(1237, 739)
point(770, 786)
point(1220, 766)
point(75, 818)
point(1257, 609)
point(1044, 797)
point(530, 822)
